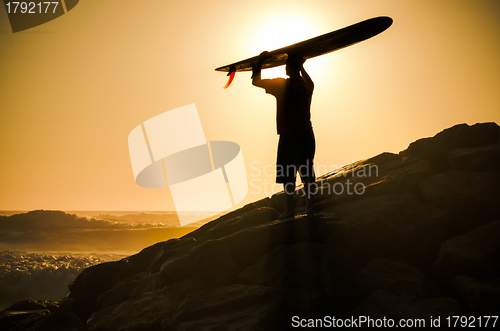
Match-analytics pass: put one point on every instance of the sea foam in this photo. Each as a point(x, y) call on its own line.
point(42, 276)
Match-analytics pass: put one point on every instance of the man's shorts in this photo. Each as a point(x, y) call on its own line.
point(295, 153)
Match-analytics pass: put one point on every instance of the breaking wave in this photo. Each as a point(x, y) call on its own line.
point(41, 276)
point(42, 251)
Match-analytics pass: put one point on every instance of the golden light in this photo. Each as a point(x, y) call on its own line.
point(282, 31)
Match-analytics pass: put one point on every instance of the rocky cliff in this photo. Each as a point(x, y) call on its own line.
point(412, 235)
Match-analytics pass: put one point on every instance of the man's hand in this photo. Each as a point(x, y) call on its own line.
point(262, 58)
point(256, 67)
point(306, 76)
point(264, 55)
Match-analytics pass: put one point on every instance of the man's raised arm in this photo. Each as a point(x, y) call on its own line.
point(306, 77)
point(257, 68)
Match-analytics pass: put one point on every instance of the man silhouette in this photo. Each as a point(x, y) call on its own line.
point(297, 144)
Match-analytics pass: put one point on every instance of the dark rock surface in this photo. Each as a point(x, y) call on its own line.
point(482, 297)
point(395, 277)
point(412, 235)
point(402, 307)
point(474, 254)
point(437, 149)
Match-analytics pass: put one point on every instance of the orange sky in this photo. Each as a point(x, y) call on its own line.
point(72, 89)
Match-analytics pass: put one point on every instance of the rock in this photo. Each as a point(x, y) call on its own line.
point(482, 297)
point(258, 216)
point(209, 263)
point(382, 305)
point(25, 305)
point(144, 312)
point(94, 281)
point(202, 233)
point(473, 198)
point(247, 246)
point(436, 149)
point(485, 158)
point(51, 322)
point(171, 248)
point(475, 254)
point(120, 292)
point(9, 319)
point(97, 279)
point(238, 307)
point(25, 310)
point(396, 278)
point(397, 227)
point(179, 307)
point(386, 173)
point(320, 271)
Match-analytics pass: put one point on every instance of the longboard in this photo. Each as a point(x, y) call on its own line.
point(316, 46)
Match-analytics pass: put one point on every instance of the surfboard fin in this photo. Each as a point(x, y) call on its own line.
point(231, 74)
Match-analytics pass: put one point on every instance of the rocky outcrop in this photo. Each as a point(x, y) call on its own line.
point(408, 235)
point(397, 278)
point(444, 146)
point(474, 254)
point(38, 315)
point(407, 308)
point(482, 297)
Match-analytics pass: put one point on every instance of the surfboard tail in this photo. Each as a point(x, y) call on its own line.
point(231, 77)
point(231, 73)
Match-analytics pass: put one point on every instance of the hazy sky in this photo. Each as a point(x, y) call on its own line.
point(71, 90)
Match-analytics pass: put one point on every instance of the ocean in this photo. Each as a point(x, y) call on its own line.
point(42, 251)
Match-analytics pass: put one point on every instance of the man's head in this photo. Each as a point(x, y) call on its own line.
point(293, 64)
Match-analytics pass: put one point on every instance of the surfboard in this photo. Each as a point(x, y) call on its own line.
point(316, 46)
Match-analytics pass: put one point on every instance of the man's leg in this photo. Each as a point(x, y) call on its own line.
point(289, 189)
point(310, 191)
point(308, 177)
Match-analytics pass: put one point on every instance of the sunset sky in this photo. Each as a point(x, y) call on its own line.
point(71, 90)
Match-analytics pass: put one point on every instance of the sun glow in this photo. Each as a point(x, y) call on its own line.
point(282, 31)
